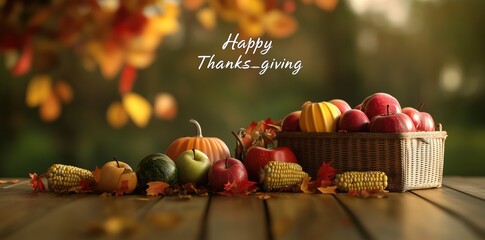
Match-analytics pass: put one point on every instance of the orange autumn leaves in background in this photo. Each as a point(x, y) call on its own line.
point(119, 38)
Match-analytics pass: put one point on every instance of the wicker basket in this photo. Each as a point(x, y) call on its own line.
point(411, 160)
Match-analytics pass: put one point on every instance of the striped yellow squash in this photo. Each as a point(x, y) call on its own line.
point(319, 117)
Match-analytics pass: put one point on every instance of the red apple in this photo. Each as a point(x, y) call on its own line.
point(414, 114)
point(258, 157)
point(353, 120)
point(377, 103)
point(291, 123)
point(342, 105)
point(427, 123)
point(224, 171)
point(423, 121)
point(392, 123)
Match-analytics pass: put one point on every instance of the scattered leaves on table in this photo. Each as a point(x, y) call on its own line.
point(3, 181)
point(327, 190)
point(36, 182)
point(236, 188)
point(156, 188)
point(306, 186)
point(326, 175)
point(123, 188)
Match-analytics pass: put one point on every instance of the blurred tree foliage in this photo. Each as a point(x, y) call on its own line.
point(436, 58)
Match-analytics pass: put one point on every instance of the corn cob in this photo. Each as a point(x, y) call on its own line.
point(278, 176)
point(368, 180)
point(62, 178)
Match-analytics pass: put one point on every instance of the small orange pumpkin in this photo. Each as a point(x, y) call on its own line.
point(213, 147)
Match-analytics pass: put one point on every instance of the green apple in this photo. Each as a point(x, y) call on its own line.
point(193, 166)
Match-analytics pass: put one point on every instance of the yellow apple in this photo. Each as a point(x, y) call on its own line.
point(113, 174)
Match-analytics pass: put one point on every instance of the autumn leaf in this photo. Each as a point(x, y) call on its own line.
point(327, 190)
point(328, 5)
point(63, 91)
point(127, 79)
point(50, 109)
point(236, 188)
point(156, 188)
point(24, 62)
point(116, 115)
point(138, 108)
point(36, 182)
point(326, 175)
point(207, 18)
point(38, 90)
point(263, 196)
point(306, 186)
point(85, 186)
point(123, 188)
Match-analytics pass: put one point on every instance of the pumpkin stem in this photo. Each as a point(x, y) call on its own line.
point(198, 128)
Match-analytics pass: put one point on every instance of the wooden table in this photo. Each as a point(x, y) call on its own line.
point(455, 211)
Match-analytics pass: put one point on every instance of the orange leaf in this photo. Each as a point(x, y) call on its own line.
point(36, 182)
point(156, 188)
point(368, 193)
point(63, 91)
point(116, 115)
point(193, 4)
point(127, 79)
point(50, 109)
point(306, 186)
point(24, 62)
point(327, 190)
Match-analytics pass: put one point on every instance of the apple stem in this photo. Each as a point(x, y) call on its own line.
point(193, 150)
point(117, 163)
point(420, 106)
point(226, 163)
point(388, 110)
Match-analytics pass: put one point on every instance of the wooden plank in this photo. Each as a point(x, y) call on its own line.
point(406, 216)
point(88, 216)
point(19, 206)
point(309, 216)
point(468, 208)
point(174, 218)
point(236, 218)
point(474, 186)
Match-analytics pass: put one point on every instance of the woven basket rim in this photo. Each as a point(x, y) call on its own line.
point(404, 135)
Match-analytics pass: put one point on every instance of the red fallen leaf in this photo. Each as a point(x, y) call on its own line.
point(36, 182)
point(156, 188)
point(235, 188)
point(24, 62)
point(127, 79)
point(123, 189)
point(326, 175)
point(85, 186)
